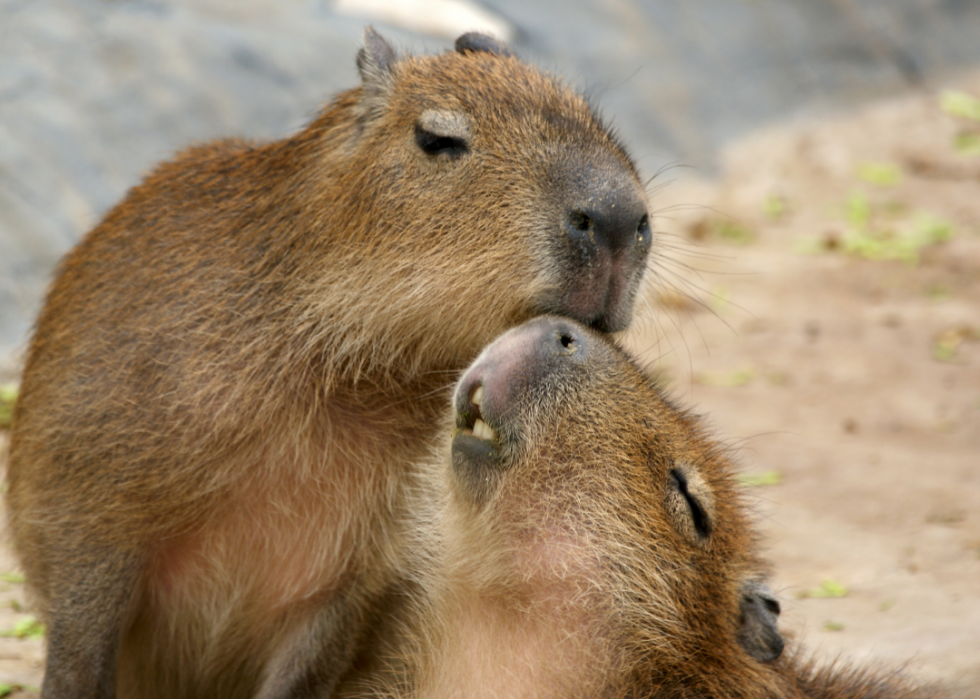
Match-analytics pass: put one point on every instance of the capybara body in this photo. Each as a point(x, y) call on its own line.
point(581, 536)
point(235, 371)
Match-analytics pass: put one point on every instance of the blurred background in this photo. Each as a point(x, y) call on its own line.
point(94, 92)
point(817, 287)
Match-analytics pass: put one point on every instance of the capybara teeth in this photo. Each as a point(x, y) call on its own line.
point(477, 397)
point(482, 430)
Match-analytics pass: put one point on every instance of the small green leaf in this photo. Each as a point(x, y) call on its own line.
point(7, 689)
point(12, 577)
point(960, 104)
point(967, 143)
point(938, 292)
point(858, 210)
point(899, 244)
point(28, 627)
point(733, 232)
point(732, 379)
point(881, 174)
point(738, 378)
point(929, 229)
point(778, 378)
point(774, 206)
point(760, 479)
point(810, 246)
point(833, 626)
point(828, 588)
point(8, 396)
point(720, 299)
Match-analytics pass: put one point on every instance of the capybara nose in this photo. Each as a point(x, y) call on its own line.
point(516, 360)
point(489, 397)
point(606, 209)
point(613, 225)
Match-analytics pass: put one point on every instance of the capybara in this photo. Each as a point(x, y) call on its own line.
point(581, 536)
point(236, 370)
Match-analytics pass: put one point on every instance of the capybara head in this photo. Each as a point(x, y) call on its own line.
point(586, 510)
point(493, 192)
point(579, 536)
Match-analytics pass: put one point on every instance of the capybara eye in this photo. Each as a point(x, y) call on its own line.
point(688, 510)
point(434, 144)
point(442, 132)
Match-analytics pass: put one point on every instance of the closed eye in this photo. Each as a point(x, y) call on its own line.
point(442, 132)
point(436, 144)
point(698, 514)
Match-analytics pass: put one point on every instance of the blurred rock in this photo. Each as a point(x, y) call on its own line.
point(444, 18)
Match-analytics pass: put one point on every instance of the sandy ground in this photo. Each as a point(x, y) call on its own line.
point(852, 382)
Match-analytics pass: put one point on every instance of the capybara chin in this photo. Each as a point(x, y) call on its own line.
point(235, 371)
point(580, 536)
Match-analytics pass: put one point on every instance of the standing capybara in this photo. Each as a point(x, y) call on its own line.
point(235, 370)
point(580, 537)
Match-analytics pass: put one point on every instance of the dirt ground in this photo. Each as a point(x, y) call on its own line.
point(852, 380)
point(820, 304)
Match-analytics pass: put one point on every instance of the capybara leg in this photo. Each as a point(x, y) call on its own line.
point(88, 613)
point(312, 659)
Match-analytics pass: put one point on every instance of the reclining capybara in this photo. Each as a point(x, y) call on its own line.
point(234, 373)
point(581, 536)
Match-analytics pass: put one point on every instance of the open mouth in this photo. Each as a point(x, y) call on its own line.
point(470, 422)
point(475, 449)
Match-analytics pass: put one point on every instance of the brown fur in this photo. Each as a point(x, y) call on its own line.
point(564, 560)
point(235, 370)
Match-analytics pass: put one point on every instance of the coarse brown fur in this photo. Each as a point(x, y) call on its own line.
point(235, 370)
point(596, 546)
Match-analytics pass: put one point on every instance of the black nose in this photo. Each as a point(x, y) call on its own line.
point(606, 209)
point(613, 225)
point(604, 241)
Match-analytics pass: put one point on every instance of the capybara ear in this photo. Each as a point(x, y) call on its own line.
point(475, 41)
point(374, 63)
